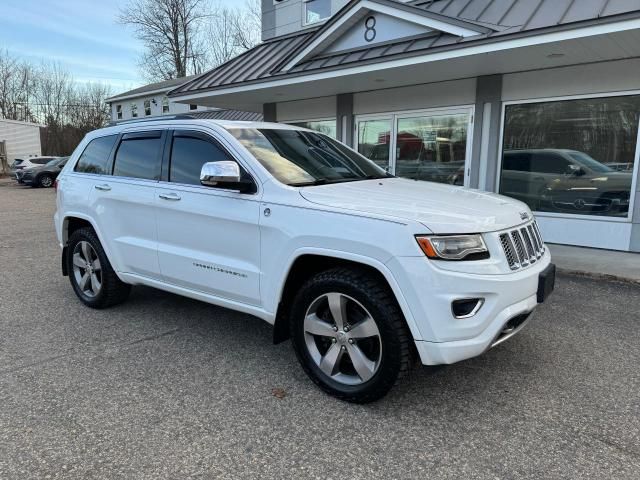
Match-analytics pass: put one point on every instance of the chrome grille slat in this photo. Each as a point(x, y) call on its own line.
point(524, 232)
point(522, 246)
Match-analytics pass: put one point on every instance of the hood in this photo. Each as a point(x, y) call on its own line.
point(439, 207)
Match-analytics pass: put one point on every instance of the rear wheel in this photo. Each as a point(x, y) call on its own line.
point(45, 180)
point(92, 277)
point(350, 335)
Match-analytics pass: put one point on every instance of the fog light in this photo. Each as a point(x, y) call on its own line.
point(466, 307)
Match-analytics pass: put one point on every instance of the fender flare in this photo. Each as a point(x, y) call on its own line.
point(356, 258)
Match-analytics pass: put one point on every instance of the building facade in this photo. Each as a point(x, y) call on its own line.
point(150, 101)
point(535, 99)
point(20, 140)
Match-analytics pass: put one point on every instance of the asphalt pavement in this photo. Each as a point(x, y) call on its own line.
point(167, 387)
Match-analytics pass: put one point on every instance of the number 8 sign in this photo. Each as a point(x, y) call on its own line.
point(369, 29)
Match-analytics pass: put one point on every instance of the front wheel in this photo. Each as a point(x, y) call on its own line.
point(349, 334)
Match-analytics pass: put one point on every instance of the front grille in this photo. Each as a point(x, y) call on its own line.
point(522, 246)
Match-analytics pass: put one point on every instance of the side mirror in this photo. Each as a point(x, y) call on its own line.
point(217, 174)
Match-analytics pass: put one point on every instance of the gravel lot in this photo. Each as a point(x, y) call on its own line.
point(166, 387)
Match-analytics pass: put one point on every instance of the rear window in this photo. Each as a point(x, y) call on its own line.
point(95, 157)
point(138, 156)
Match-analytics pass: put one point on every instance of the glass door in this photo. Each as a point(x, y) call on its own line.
point(433, 146)
point(429, 145)
point(373, 138)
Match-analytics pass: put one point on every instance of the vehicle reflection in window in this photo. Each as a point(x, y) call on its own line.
point(572, 156)
point(432, 148)
point(559, 180)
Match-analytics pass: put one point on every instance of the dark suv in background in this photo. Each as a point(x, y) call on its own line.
point(45, 175)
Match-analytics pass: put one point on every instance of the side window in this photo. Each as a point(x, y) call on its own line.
point(188, 154)
point(138, 156)
point(95, 157)
point(549, 163)
point(520, 162)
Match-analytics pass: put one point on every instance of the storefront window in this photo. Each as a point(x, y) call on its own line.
point(432, 148)
point(373, 140)
point(328, 127)
point(571, 156)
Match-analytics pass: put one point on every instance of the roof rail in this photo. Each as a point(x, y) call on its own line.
point(180, 116)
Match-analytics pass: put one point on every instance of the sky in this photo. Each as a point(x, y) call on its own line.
point(82, 35)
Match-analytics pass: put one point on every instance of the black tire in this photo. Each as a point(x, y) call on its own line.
point(112, 291)
point(45, 181)
point(396, 355)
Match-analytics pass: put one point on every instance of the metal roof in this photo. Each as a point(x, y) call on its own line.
point(233, 115)
point(502, 17)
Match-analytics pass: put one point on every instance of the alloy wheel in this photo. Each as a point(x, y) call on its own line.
point(87, 270)
point(342, 338)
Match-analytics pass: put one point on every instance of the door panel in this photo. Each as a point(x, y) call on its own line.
point(126, 216)
point(209, 241)
point(208, 238)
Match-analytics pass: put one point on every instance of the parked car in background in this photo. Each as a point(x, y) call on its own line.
point(363, 271)
point(562, 180)
point(31, 162)
point(45, 175)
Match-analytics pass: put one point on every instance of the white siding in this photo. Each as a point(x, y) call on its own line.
point(415, 97)
point(311, 109)
point(156, 110)
point(22, 139)
point(605, 77)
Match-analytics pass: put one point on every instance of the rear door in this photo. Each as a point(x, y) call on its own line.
point(123, 203)
point(208, 238)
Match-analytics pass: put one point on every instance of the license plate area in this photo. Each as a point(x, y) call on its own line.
point(546, 282)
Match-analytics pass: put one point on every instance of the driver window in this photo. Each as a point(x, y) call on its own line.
point(189, 153)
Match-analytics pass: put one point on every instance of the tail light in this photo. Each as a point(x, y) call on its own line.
point(55, 185)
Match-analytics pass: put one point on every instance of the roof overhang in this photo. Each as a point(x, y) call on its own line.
point(595, 41)
point(119, 98)
point(354, 12)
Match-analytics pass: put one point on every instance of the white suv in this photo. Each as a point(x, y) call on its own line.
point(362, 270)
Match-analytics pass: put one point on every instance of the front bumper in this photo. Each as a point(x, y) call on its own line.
point(429, 291)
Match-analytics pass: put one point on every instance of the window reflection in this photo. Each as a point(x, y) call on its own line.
point(373, 140)
point(432, 148)
point(573, 156)
point(328, 127)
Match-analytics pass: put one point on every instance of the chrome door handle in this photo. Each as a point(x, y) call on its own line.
point(169, 196)
point(104, 187)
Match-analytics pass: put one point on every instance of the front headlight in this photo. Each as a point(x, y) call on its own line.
point(453, 247)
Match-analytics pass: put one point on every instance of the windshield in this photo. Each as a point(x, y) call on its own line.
point(586, 161)
point(55, 161)
point(300, 158)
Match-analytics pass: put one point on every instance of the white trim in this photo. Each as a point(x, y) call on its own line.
point(141, 94)
point(594, 218)
point(19, 122)
point(347, 19)
point(425, 58)
point(394, 116)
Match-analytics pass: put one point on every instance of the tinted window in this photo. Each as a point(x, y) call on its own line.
point(188, 154)
point(549, 163)
point(520, 162)
point(95, 157)
point(41, 161)
point(139, 157)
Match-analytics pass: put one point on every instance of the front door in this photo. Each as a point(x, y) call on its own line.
point(432, 145)
point(208, 238)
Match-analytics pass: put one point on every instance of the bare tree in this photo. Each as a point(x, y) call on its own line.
point(231, 31)
point(169, 30)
